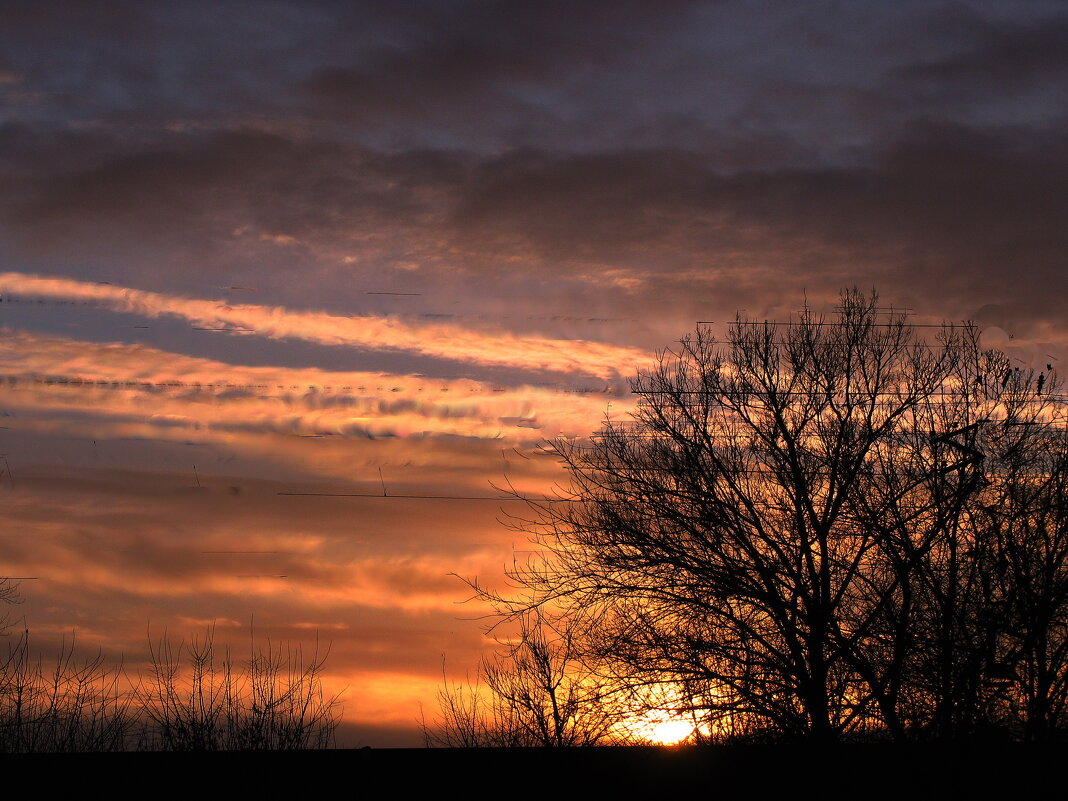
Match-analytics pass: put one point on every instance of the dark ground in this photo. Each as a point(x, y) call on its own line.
point(911, 773)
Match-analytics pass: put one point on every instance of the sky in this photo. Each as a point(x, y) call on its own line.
point(264, 263)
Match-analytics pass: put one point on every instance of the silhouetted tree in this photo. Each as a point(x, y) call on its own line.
point(9, 595)
point(821, 527)
point(1023, 614)
point(536, 692)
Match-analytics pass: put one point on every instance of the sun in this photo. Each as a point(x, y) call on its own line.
point(671, 732)
point(662, 728)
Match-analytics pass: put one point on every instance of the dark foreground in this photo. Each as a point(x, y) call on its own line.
point(856, 771)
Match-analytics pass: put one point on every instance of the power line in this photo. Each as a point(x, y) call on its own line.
point(834, 323)
point(427, 497)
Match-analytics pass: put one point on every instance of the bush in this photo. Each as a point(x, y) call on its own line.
point(78, 706)
point(193, 700)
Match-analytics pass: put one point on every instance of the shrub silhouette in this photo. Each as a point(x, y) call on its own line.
point(197, 700)
point(536, 692)
point(191, 699)
point(73, 706)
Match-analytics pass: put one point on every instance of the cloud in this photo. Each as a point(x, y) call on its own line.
point(120, 557)
point(1000, 57)
point(945, 210)
point(661, 235)
point(434, 340)
point(95, 405)
point(485, 60)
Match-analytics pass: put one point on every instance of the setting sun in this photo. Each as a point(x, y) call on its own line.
point(663, 728)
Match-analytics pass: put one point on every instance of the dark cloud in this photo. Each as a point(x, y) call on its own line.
point(948, 210)
point(240, 202)
point(964, 211)
point(499, 63)
point(1005, 57)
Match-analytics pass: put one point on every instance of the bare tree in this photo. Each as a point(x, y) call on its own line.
point(192, 700)
point(1023, 611)
point(795, 531)
point(9, 596)
point(536, 692)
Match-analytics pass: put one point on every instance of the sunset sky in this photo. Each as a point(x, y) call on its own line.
point(250, 250)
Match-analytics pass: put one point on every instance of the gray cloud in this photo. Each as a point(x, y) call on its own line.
point(1001, 57)
point(964, 212)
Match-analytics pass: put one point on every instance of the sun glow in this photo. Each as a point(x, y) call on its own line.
point(663, 728)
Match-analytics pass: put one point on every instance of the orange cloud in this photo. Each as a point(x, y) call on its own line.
point(435, 340)
point(110, 391)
